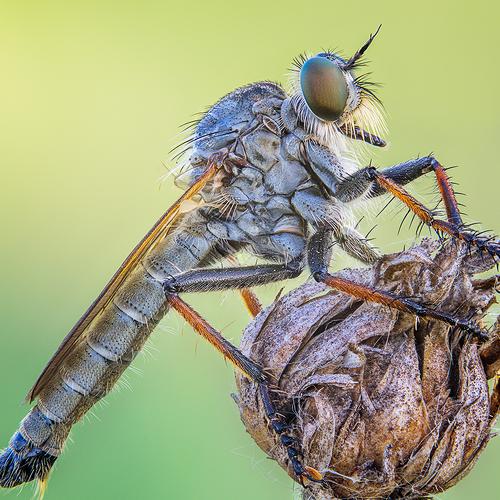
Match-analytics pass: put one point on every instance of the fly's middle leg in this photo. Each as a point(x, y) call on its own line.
point(319, 257)
point(251, 301)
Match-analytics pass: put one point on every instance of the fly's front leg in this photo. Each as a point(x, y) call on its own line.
point(327, 167)
point(361, 182)
point(410, 170)
point(202, 280)
point(371, 182)
point(451, 226)
point(319, 258)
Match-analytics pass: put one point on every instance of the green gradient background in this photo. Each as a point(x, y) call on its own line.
point(91, 96)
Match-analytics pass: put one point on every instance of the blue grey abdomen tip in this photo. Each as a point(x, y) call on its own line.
point(23, 462)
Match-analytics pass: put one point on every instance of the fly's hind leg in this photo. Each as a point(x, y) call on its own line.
point(228, 350)
point(279, 427)
point(199, 280)
point(206, 280)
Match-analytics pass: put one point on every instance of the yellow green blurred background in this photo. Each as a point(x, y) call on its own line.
point(91, 98)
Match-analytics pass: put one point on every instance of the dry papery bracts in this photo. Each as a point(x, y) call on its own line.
point(383, 405)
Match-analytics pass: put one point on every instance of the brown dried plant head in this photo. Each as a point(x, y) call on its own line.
point(383, 405)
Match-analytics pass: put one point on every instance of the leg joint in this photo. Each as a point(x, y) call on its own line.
point(371, 173)
point(431, 164)
point(295, 267)
point(320, 275)
point(170, 286)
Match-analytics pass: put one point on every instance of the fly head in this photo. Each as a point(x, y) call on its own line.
point(331, 100)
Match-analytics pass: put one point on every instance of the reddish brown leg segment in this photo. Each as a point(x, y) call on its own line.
point(403, 304)
point(254, 373)
point(228, 350)
point(251, 301)
point(426, 215)
point(495, 398)
point(447, 194)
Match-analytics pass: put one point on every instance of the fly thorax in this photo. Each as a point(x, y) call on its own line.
point(244, 191)
point(261, 148)
point(268, 112)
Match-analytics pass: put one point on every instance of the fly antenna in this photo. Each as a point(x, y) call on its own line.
point(359, 53)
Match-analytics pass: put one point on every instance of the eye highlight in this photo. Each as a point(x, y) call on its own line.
point(324, 88)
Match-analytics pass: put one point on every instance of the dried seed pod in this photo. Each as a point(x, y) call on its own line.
point(383, 405)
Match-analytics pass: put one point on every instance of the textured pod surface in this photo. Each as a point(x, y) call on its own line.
point(384, 406)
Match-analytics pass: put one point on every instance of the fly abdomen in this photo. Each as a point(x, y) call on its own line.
point(110, 344)
point(89, 373)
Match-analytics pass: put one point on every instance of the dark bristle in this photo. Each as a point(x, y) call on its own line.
point(298, 62)
point(211, 135)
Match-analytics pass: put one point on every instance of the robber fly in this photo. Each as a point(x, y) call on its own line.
point(270, 173)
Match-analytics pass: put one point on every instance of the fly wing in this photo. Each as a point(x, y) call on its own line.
point(157, 233)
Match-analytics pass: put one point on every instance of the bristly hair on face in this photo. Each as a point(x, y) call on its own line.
point(364, 108)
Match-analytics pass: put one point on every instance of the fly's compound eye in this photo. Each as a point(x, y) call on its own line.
point(324, 88)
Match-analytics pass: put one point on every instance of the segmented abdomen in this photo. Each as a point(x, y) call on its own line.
point(113, 339)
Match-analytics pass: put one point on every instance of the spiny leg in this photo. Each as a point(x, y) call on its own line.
point(228, 350)
point(402, 173)
point(440, 226)
point(447, 193)
point(240, 278)
point(251, 301)
point(278, 426)
point(319, 257)
point(410, 170)
point(361, 183)
point(391, 180)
